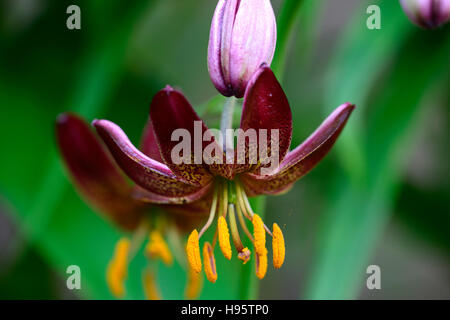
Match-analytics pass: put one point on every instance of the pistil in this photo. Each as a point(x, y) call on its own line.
point(234, 229)
point(212, 213)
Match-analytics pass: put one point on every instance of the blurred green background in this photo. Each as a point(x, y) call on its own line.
point(381, 197)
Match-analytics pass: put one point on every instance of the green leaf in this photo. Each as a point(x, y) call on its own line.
point(63, 231)
point(286, 22)
point(362, 55)
point(361, 208)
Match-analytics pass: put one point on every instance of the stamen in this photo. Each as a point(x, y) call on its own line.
point(193, 252)
point(224, 237)
point(210, 262)
point(212, 213)
point(158, 248)
point(261, 265)
point(117, 268)
point(278, 247)
point(244, 255)
point(194, 285)
point(150, 287)
point(259, 234)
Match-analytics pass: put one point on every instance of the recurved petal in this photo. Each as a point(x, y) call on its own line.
point(143, 195)
point(94, 173)
point(179, 132)
point(144, 171)
point(266, 110)
point(303, 158)
point(149, 145)
point(189, 216)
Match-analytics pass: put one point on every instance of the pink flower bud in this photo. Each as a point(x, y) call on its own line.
point(243, 36)
point(428, 14)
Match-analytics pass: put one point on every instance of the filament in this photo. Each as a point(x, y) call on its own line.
point(211, 214)
point(241, 203)
point(249, 208)
point(242, 222)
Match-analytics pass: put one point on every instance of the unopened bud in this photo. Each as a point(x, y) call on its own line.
point(243, 36)
point(428, 14)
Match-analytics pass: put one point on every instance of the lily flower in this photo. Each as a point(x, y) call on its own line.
point(231, 178)
point(103, 186)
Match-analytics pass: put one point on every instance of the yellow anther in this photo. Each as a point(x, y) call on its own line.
point(259, 234)
point(158, 248)
point(244, 255)
point(150, 287)
point(261, 265)
point(278, 247)
point(117, 268)
point(209, 262)
point(224, 237)
point(193, 252)
point(194, 285)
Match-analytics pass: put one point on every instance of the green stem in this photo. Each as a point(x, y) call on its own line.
point(226, 122)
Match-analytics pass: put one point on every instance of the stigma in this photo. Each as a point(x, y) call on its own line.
point(234, 214)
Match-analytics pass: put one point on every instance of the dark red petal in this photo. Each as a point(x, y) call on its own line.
point(144, 171)
point(265, 107)
point(143, 195)
point(94, 172)
point(149, 145)
point(302, 159)
point(170, 111)
point(190, 216)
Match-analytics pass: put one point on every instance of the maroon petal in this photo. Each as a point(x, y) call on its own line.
point(144, 171)
point(143, 195)
point(302, 159)
point(171, 113)
point(149, 145)
point(190, 216)
point(94, 172)
point(265, 107)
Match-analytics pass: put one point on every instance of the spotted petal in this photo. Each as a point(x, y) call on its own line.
point(94, 173)
point(175, 122)
point(266, 109)
point(144, 171)
point(143, 195)
point(302, 159)
point(189, 216)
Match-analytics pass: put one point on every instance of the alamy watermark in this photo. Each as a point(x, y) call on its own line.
point(373, 22)
point(74, 278)
point(374, 280)
point(73, 22)
point(253, 147)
